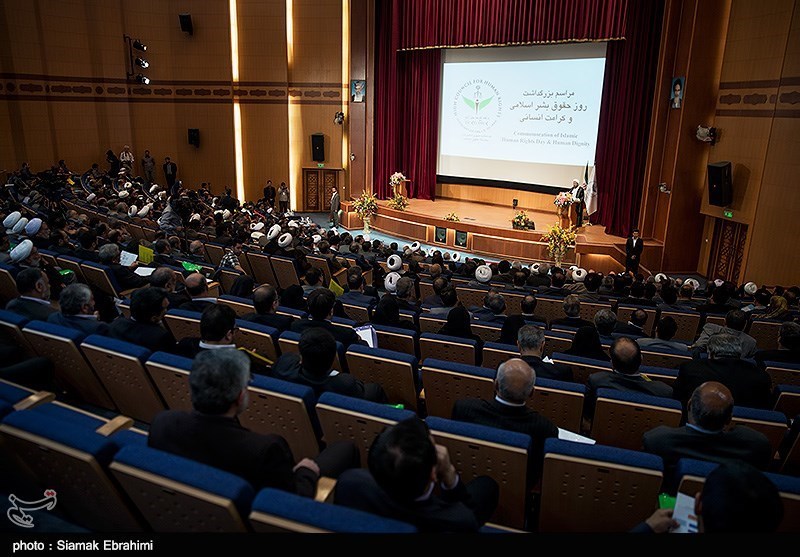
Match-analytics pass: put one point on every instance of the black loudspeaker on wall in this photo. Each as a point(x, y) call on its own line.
point(186, 23)
point(720, 184)
point(194, 137)
point(318, 147)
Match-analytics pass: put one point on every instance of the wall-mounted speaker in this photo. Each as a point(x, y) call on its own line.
point(318, 147)
point(720, 184)
point(194, 137)
point(186, 23)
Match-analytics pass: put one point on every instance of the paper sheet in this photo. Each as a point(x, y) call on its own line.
point(567, 435)
point(127, 258)
point(144, 271)
point(684, 515)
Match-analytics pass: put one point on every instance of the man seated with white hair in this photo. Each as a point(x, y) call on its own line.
point(78, 311)
point(109, 255)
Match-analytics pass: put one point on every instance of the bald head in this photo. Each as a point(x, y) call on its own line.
point(196, 285)
point(163, 277)
point(515, 380)
point(196, 247)
point(626, 356)
point(711, 406)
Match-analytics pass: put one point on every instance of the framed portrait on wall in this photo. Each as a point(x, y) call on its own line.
point(677, 91)
point(440, 237)
point(461, 239)
point(358, 90)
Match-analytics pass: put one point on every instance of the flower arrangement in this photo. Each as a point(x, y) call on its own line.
point(366, 206)
point(399, 202)
point(452, 217)
point(395, 179)
point(521, 221)
point(559, 240)
point(563, 199)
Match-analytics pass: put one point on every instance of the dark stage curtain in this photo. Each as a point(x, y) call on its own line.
point(625, 118)
point(407, 82)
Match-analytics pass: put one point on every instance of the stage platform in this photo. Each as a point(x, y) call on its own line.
point(486, 229)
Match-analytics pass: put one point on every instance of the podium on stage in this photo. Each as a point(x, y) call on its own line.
point(401, 188)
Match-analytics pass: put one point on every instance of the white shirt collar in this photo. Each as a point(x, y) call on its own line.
point(206, 299)
point(85, 316)
point(501, 401)
point(207, 346)
point(39, 300)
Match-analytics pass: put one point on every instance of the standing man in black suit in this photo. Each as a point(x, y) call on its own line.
point(706, 435)
point(633, 251)
point(170, 172)
point(335, 206)
point(405, 465)
point(513, 386)
point(749, 385)
point(269, 194)
point(530, 341)
point(212, 434)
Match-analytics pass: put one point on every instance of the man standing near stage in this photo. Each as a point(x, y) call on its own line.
point(335, 205)
point(633, 251)
point(579, 195)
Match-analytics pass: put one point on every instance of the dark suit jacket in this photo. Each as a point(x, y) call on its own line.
point(630, 249)
point(262, 460)
point(673, 443)
point(511, 418)
point(289, 368)
point(85, 324)
point(784, 356)
point(153, 337)
point(335, 202)
point(624, 383)
point(749, 385)
point(177, 299)
point(86, 254)
point(434, 300)
point(559, 372)
point(357, 299)
point(486, 315)
point(196, 305)
point(448, 511)
point(343, 335)
point(629, 329)
point(632, 301)
point(538, 280)
point(30, 309)
point(280, 322)
point(126, 278)
point(572, 322)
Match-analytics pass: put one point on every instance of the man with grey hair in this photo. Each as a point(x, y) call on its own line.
point(494, 304)
point(750, 385)
point(530, 341)
point(735, 323)
point(572, 310)
point(126, 278)
point(604, 321)
point(166, 278)
point(212, 434)
point(77, 310)
point(513, 388)
point(405, 295)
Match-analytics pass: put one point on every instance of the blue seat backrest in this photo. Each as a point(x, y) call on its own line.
point(449, 339)
point(67, 333)
point(482, 432)
point(12, 318)
point(456, 367)
point(604, 453)
point(120, 346)
point(580, 360)
point(639, 398)
point(386, 354)
point(759, 414)
point(171, 360)
point(560, 385)
point(365, 407)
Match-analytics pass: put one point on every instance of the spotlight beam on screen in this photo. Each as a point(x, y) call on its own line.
point(237, 111)
point(520, 117)
point(295, 115)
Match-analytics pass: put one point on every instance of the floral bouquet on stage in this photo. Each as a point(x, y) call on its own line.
point(522, 221)
point(452, 217)
point(396, 179)
point(559, 240)
point(563, 201)
point(366, 206)
point(399, 202)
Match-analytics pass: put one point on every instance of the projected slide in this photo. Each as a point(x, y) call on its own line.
point(530, 121)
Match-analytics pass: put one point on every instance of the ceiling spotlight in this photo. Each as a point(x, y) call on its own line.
point(143, 79)
point(138, 45)
point(142, 63)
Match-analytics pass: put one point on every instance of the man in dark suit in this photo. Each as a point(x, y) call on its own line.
point(404, 467)
point(557, 281)
point(217, 331)
point(145, 326)
point(355, 294)
point(720, 302)
point(320, 309)
point(335, 206)
point(197, 288)
point(513, 386)
point(539, 277)
point(33, 301)
point(572, 310)
point(170, 172)
point(749, 385)
point(530, 340)
point(269, 194)
point(165, 278)
point(636, 297)
point(626, 357)
point(211, 434)
point(126, 278)
point(163, 254)
point(435, 299)
point(788, 350)
point(605, 321)
point(634, 327)
point(77, 310)
point(528, 309)
point(266, 301)
point(405, 295)
point(494, 306)
point(88, 246)
point(313, 367)
point(633, 252)
point(706, 436)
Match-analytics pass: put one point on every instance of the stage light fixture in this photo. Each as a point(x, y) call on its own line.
point(143, 79)
point(142, 63)
point(139, 45)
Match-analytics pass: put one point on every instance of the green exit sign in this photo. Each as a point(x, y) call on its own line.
point(728, 214)
point(320, 165)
